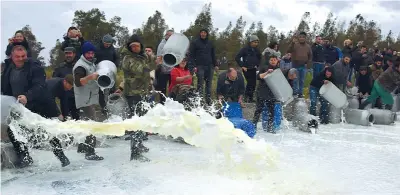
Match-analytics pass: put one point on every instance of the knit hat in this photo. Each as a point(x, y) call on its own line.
point(108, 39)
point(70, 49)
point(253, 38)
point(87, 46)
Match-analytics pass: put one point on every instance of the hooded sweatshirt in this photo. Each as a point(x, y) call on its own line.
point(249, 57)
point(136, 68)
point(202, 52)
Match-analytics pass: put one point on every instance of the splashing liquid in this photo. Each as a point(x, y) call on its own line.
point(197, 127)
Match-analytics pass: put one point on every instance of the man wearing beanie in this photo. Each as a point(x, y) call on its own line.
point(86, 93)
point(163, 73)
point(202, 55)
point(249, 58)
point(106, 51)
point(64, 69)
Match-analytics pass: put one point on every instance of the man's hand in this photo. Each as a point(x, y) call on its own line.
point(244, 69)
point(270, 70)
point(118, 91)
point(326, 81)
point(84, 81)
point(220, 97)
point(22, 99)
point(159, 60)
point(94, 76)
point(10, 41)
point(349, 84)
point(187, 77)
point(216, 68)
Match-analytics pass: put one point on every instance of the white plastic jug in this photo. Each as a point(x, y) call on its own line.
point(279, 86)
point(334, 95)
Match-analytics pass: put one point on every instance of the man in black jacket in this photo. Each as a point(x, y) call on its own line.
point(322, 78)
point(106, 51)
point(58, 88)
point(61, 71)
point(25, 80)
point(202, 53)
point(230, 86)
point(265, 97)
point(249, 58)
point(318, 56)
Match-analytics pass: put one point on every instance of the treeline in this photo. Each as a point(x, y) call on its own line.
point(228, 41)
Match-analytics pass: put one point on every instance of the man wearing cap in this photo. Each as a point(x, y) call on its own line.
point(249, 58)
point(86, 93)
point(74, 39)
point(64, 69)
point(106, 51)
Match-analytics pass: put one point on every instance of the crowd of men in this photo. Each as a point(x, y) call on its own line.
point(74, 81)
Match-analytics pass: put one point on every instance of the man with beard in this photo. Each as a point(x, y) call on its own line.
point(68, 106)
point(342, 70)
point(202, 54)
point(332, 53)
point(318, 56)
point(25, 80)
point(86, 93)
point(301, 57)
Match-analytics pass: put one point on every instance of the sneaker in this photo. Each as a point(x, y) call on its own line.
point(93, 157)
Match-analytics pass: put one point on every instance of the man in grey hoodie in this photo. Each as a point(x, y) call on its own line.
point(162, 74)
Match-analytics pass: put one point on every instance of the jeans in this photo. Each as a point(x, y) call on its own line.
point(317, 68)
point(205, 74)
point(314, 98)
point(260, 104)
point(298, 83)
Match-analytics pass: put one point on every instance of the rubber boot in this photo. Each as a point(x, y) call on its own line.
point(24, 159)
point(137, 147)
point(89, 145)
point(58, 151)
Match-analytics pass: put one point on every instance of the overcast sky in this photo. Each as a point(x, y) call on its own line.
point(50, 19)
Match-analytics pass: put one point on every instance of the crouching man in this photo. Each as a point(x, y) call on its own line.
point(230, 86)
point(25, 80)
point(322, 78)
point(86, 93)
point(386, 83)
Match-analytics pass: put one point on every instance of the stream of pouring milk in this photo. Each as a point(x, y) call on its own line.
point(245, 158)
point(198, 128)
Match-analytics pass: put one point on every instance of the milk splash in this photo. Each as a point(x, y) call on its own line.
point(197, 127)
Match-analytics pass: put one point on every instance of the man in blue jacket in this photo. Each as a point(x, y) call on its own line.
point(24, 79)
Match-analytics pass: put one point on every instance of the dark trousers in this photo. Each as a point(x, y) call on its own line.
point(102, 98)
point(260, 103)
point(72, 110)
point(205, 75)
point(251, 80)
point(35, 137)
point(136, 108)
point(162, 80)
